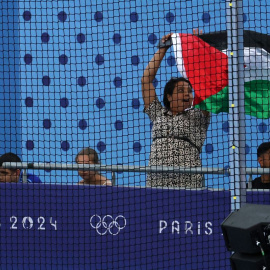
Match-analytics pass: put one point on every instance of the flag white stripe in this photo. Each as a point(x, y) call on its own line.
point(257, 64)
point(177, 47)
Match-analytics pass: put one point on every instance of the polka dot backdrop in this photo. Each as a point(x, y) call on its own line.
point(80, 75)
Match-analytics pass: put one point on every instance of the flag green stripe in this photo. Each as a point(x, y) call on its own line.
point(257, 103)
point(216, 103)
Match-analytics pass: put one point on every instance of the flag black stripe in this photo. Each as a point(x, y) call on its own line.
point(251, 39)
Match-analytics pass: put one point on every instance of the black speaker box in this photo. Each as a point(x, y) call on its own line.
point(241, 261)
point(242, 228)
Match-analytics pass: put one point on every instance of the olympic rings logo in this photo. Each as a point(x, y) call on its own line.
point(108, 224)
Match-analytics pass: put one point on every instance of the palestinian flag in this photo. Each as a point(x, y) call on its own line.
point(203, 60)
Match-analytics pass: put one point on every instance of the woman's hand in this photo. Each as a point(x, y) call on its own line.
point(165, 42)
point(166, 37)
point(196, 32)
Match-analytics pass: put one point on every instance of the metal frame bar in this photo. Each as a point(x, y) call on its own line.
point(128, 168)
point(237, 139)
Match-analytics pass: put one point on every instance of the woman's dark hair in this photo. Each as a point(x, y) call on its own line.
point(89, 152)
point(169, 87)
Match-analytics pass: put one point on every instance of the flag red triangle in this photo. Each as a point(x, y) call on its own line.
point(205, 67)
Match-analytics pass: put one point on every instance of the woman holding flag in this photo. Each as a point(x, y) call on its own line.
point(179, 130)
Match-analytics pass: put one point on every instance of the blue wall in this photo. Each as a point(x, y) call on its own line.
point(80, 69)
point(10, 98)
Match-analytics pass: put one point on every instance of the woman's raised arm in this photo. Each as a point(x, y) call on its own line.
point(148, 89)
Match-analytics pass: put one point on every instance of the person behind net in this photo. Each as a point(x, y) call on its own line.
point(263, 154)
point(179, 130)
point(90, 156)
point(14, 175)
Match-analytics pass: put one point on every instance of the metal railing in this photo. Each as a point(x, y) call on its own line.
point(129, 168)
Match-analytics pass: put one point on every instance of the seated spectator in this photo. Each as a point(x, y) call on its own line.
point(14, 175)
point(90, 156)
point(263, 153)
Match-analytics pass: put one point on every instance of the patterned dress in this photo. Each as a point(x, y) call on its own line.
point(177, 141)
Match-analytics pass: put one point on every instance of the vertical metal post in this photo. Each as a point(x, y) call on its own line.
point(113, 178)
point(235, 31)
point(24, 176)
